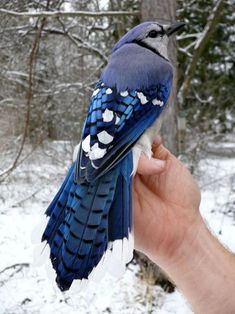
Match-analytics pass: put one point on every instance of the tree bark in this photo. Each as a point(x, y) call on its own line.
point(165, 13)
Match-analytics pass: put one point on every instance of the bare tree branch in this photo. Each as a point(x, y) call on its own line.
point(29, 96)
point(186, 36)
point(199, 48)
point(77, 41)
point(12, 270)
point(20, 265)
point(32, 195)
point(68, 14)
point(15, 28)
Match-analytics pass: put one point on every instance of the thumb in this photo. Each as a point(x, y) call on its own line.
point(150, 166)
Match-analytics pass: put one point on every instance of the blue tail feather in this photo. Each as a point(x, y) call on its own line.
point(120, 215)
point(56, 210)
point(84, 218)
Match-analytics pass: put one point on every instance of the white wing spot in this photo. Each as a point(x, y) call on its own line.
point(104, 137)
point(96, 152)
point(143, 99)
point(124, 94)
point(107, 115)
point(117, 119)
point(157, 102)
point(86, 144)
point(96, 91)
point(109, 91)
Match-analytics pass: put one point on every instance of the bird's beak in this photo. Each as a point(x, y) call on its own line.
point(175, 27)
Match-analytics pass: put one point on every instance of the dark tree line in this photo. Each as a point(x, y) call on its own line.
point(209, 100)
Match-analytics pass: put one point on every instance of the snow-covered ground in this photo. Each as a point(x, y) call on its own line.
point(25, 288)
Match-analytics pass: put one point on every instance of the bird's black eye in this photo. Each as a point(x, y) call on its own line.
point(153, 34)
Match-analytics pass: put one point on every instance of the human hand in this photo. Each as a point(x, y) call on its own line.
point(166, 202)
point(169, 229)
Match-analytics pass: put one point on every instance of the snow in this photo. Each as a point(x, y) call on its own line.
point(26, 194)
point(223, 145)
point(218, 201)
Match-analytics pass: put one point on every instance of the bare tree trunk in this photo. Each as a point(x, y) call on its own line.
point(165, 13)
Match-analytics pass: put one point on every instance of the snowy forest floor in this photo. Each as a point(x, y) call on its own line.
point(25, 288)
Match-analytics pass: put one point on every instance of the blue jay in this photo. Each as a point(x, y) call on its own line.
point(89, 228)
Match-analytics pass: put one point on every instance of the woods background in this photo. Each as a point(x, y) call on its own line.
point(51, 56)
point(50, 64)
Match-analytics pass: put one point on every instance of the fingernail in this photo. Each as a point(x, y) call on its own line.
point(157, 140)
point(159, 164)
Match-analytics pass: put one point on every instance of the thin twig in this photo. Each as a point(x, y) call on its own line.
point(21, 265)
point(32, 195)
point(16, 267)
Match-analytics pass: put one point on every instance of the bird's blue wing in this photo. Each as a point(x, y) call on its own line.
point(114, 123)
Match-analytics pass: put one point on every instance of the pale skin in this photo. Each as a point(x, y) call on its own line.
point(170, 230)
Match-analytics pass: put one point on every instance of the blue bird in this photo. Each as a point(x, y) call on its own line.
point(90, 226)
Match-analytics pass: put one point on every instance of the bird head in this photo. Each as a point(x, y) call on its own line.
point(151, 35)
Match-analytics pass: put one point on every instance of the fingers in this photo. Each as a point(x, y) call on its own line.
point(157, 141)
point(151, 166)
point(160, 151)
point(156, 164)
